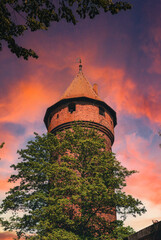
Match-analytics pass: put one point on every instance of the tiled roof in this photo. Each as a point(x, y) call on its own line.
point(80, 87)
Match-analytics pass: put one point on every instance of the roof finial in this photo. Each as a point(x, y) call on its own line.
point(80, 64)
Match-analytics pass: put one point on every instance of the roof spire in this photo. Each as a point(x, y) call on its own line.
point(80, 65)
point(80, 87)
point(78, 60)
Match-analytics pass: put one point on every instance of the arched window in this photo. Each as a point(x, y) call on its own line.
point(71, 107)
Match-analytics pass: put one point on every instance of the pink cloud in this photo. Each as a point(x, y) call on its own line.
point(5, 185)
point(25, 101)
point(136, 154)
point(8, 152)
point(7, 236)
point(124, 93)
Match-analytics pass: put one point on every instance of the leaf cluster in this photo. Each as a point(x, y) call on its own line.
point(1, 145)
point(67, 186)
point(18, 16)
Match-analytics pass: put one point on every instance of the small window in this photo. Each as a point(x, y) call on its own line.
point(101, 111)
point(57, 116)
point(71, 107)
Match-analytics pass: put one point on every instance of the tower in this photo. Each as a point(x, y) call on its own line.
point(81, 102)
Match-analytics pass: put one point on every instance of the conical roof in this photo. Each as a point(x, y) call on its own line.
point(80, 87)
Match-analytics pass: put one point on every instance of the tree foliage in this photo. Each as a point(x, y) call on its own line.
point(18, 16)
point(1, 145)
point(66, 185)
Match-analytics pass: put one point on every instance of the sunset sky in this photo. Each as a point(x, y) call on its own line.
point(122, 54)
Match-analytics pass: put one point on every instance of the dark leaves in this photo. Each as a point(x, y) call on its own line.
point(18, 16)
point(67, 184)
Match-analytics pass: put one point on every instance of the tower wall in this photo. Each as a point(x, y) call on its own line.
point(86, 112)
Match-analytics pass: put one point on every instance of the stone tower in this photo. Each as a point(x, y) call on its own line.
point(81, 102)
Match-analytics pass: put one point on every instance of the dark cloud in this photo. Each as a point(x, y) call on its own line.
point(129, 125)
point(15, 129)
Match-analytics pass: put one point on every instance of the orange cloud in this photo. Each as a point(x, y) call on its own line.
point(50, 75)
point(136, 154)
point(8, 152)
point(5, 185)
point(24, 105)
point(26, 100)
point(125, 95)
point(7, 236)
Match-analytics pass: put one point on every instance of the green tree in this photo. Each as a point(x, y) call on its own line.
point(18, 16)
point(65, 185)
point(1, 145)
